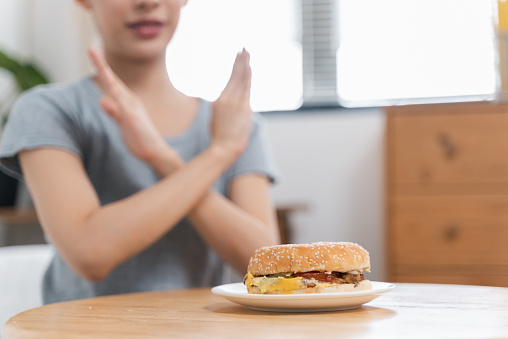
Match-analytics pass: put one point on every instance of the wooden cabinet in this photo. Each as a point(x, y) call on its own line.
point(447, 193)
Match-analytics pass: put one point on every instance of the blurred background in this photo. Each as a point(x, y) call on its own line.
point(386, 117)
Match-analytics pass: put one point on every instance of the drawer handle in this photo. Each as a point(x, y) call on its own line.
point(449, 146)
point(452, 232)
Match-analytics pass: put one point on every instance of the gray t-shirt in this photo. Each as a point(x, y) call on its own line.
point(69, 117)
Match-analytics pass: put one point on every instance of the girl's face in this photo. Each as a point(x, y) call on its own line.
point(135, 29)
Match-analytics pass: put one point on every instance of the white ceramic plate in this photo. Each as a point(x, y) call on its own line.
point(314, 302)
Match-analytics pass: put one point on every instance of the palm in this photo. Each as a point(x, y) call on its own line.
point(231, 121)
point(138, 132)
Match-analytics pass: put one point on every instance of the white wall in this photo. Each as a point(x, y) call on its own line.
point(13, 35)
point(13, 25)
point(330, 161)
point(61, 36)
point(333, 163)
point(53, 33)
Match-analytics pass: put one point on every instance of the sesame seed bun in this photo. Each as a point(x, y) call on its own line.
point(321, 256)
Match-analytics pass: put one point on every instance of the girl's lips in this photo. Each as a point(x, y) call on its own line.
point(146, 29)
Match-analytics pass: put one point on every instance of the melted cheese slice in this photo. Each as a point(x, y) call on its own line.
point(281, 284)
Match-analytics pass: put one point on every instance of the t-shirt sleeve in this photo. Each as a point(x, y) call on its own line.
point(258, 156)
point(38, 119)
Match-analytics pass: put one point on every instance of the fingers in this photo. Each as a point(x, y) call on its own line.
point(113, 86)
point(111, 108)
point(246, 76)
point(243, 71)
point(118, 98)
point(233, 80)
point(239, 83)
point(101, 66)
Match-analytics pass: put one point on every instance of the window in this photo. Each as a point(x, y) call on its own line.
point(407, 51)
point(210, 34)
point(326, 52)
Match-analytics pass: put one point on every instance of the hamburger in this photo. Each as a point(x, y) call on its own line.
point(323, 267)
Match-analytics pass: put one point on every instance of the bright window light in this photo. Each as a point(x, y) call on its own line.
point(212, 32)
point(394, 50)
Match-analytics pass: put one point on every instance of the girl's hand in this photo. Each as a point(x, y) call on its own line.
point(127, 109)
point(231, 121)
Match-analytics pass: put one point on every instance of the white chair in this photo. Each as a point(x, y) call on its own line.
point(21, 271)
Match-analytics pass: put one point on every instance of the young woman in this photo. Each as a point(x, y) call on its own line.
point(138, 186)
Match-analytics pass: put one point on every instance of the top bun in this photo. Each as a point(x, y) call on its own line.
point(320, 256)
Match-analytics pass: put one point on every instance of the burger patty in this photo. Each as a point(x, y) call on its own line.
point(331, 277)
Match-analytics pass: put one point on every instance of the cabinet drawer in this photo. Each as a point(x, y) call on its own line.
point(491, 275)
point(448, 146)
point(466, 230)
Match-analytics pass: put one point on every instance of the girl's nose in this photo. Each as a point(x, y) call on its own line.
point(146, 4)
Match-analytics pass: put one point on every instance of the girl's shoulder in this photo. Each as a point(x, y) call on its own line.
point(61, 94)
point(75, 101)
point(74, 104)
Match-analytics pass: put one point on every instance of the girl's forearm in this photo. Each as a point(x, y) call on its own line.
point(134, 223)
point(232, 232)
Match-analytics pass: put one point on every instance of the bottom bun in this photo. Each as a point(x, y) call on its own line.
point(364, 285)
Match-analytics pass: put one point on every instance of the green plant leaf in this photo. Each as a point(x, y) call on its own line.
point(37, 75)
point(27, 74)
point(9, 64)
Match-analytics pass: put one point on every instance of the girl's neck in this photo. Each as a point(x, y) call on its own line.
point(147, 78)
point(170, 110)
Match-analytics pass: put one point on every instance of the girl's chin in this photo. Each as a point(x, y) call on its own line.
point(142, 51)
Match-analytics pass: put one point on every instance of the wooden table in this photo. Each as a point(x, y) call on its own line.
point(409, 311)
